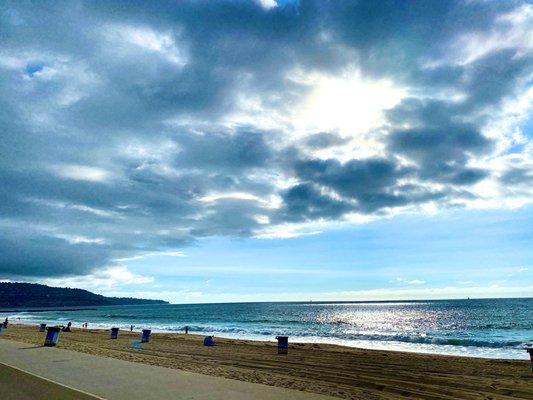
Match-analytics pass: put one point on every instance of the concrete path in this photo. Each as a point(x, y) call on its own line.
point(121, 380)
point(19, 385)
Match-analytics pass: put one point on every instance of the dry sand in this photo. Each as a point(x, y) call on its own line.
point(318, 368)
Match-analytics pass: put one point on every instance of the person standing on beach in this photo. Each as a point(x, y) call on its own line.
point(131, 328)
point(5, 323)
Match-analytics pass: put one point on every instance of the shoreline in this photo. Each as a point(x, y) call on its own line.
point(406, 347)
point(334, 370)
point(481, 329)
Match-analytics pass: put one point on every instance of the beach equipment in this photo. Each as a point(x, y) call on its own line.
point(283, 344)
point(114, 333)
point(42, 327)
point(209, 341)
point(136, 345)
point(145, 338)
point(52, 336)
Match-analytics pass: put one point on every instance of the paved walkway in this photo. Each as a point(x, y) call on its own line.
point(19, 385)
point(121, 380)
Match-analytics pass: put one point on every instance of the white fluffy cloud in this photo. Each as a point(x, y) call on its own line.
point(102, 280)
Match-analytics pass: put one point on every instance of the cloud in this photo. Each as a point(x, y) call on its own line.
point(365, 186)
point(404, 281)
point(82, 173)
point(130, 39)
point(441, 154)
point(324, 139)
point(305, 202)
point(102, 280)
point(28, 252)
point(132, 131)
point(518, 176)
point(153, 254)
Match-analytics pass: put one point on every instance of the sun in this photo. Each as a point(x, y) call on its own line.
point(348, 103)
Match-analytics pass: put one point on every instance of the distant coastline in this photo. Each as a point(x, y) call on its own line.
point(29, 309)
point(18, 295)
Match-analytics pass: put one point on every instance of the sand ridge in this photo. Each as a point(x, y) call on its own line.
point(317, 368)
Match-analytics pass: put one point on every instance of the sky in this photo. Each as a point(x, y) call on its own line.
point(262, 150)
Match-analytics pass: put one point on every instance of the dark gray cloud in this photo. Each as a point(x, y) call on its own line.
point(442, 153)
point(239, 150)
point(121, 126)
point(496, 76)
point(440, 144)
point(370, 182)
point(29, 253)
point(304, 202)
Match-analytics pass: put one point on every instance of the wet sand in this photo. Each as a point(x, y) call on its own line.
point(317, 368)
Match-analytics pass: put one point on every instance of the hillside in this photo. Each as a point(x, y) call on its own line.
point(27, 295)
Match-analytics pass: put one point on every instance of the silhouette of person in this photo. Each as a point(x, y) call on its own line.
point(67, 329)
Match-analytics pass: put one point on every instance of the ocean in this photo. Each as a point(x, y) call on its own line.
point(491, 328)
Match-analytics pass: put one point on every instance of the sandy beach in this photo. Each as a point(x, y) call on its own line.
point(317, 368)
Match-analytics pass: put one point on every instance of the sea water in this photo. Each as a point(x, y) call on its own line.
point(493, 328)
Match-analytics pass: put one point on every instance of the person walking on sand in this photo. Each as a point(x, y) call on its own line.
point(131, 328)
